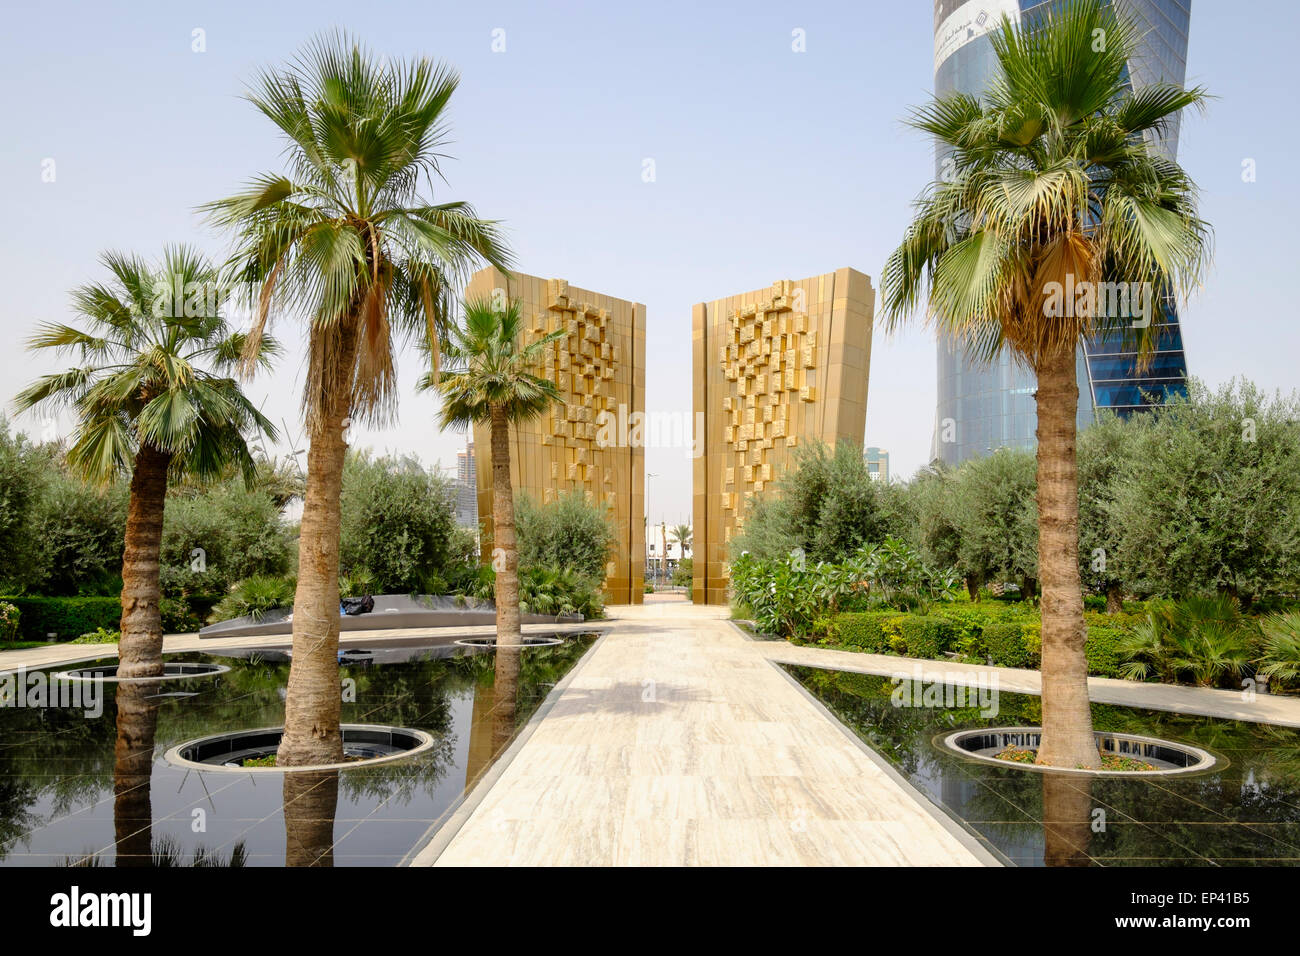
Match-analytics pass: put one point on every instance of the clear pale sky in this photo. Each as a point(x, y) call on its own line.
point(769, 164)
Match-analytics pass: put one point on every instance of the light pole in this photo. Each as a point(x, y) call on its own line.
point(648, 476)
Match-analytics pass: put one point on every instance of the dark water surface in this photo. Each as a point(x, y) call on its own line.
point(80, 789)
point(1244, 813)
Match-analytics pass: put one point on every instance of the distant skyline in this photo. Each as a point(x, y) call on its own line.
point(768, 163)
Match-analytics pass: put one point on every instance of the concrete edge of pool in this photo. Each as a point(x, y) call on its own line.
point(175, 755)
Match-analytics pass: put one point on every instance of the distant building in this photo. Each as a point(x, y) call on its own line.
point(467, 488)
point(983, 406)
point(877, 460)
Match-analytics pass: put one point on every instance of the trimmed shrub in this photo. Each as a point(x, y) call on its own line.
point(1006, 646)
point(926, 635)
point(1102, 649)
point(65, 617)
point(870, 630)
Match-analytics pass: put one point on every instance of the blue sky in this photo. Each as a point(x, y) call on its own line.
point(769, 164)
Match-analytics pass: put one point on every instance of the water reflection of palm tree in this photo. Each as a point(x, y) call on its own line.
point(137, 723)
point(1067, 819)
point(311, 801)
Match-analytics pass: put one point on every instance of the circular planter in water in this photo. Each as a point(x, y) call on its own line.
point(172, 670)
point(1166, 757)
point(526, 642)
point(364, 745)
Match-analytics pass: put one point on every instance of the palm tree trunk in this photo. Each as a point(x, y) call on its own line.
point(140, 646)
point(1067, 819)
point(314, 700)
point(311, 802)
point(1067, 719)
point(506, 561)
point(137, 724)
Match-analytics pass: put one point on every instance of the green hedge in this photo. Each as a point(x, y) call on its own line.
point(1101, 650)
point(1009, 640)
point(869, 630)
point(65, 617)
point(926, 636)
point(880, 632)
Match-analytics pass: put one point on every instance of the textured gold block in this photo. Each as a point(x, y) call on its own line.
point(752, 353)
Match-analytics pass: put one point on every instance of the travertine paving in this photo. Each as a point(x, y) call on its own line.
point(675, 742)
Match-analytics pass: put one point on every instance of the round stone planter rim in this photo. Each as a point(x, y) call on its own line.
point(483, 642)
point(173, 755)
point(1205, 759)
point(71, 675)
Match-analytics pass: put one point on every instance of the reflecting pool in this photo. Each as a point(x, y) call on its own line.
point(83, 781)
point(1244, 813)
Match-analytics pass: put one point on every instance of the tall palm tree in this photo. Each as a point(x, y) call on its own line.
point(345, 240)
point(682, 535)
point(1051, 184)
point(152, 399)
point(489, 375)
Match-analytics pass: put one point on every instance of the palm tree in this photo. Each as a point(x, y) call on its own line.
point(151, 400)
point(345, 239)
point(682, 535)
point(1050, 185)
point(489, 376)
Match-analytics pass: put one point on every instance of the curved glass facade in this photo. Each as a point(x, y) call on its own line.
point(983, 406)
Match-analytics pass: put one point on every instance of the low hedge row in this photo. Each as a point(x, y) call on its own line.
point(880, 632)
point(65, 617)
point(1007, 643)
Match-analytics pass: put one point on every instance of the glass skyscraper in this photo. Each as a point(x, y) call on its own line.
point(985, 406)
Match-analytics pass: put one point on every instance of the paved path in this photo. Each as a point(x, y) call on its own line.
point(1204, 701)
point(675, 742)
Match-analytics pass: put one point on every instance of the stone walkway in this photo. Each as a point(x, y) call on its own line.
point(676, 743)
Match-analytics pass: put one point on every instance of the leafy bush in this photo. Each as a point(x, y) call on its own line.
point(556, 591)
point(1281, 653)
point(570, 532)
point(240, 533)
point(826, 504)
point(101, 635)
point(1202, 639)
point(81, 531)
point(178, 617)
point(360, 583)
point(683, 574)
point(64, 617)
point(253, 597)
point(789, 595)
point(549, 591)
point(398, 523)
point(9, 622)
